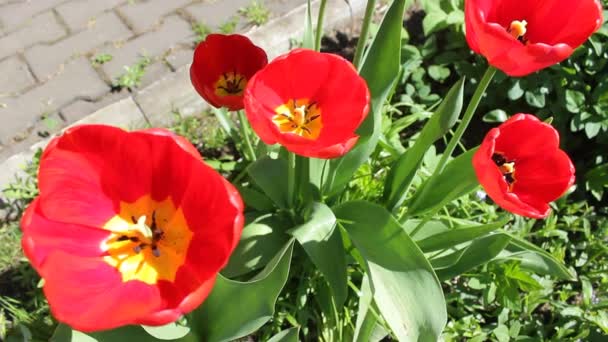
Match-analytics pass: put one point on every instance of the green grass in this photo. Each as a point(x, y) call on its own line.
point(229, 26)
point(10, 248)
point(202, 31)
point(101, 59)
point(132, 76)
point(256, 13)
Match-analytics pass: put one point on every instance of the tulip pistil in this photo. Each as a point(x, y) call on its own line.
point(301, 117)
point(518, 30)
point(506, 167)
point(230, 84)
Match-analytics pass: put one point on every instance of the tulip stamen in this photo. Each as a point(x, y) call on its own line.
point(230, 83)
point(153, 234)
point(299, 116)
point(506, 167)
point(148, 240)
point(518, 30)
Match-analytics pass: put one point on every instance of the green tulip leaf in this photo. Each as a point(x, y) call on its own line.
point(535, 259)
point(456, 236)
point(289, 335)
point(495, 116)
point(477, 253)
point(367, 328)
point(403, 171)
point(169, 332)
point(260, 242)
point(380, 69)
point(235, 309)
point(323, 244)
point(457, 179)
point(255, 199)
point(405, 288)
point(308, 39)
point(271, 176)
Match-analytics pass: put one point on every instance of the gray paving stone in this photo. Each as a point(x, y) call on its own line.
point(173, 32)
point(41, 29)
point(281, 7)
point(179, 58)
point(124, 114)
point(154, 72)
point(14, 15)
point(274, 36)
point(46, 59)
point(145, 15)
point(78, 14)
point(214, 14)
point(15, 76)
point(173, 92)
point(22, 112)
point(80, 109)
point(13, 166)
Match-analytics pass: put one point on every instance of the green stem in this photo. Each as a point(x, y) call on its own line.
point(320, 19)
point(249, 151)
point(303, 179)
point(225, 121)
point(291, 179)
point(369, 13)
point(466, 119)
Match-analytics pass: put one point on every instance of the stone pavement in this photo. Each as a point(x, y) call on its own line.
point(52, 66)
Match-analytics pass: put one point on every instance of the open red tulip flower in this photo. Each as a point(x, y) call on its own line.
point(222, 66)
point(520, 37)
point(129, 227)
point(309, 102)
point(520, 166)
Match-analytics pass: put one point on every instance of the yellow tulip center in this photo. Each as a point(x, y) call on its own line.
point(299, 116)
point(506, 167)
point(518, 30)
point(149, 240)
point(230, 83)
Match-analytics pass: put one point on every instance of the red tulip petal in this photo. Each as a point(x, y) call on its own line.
point(335, 87)
point(496, 187)
point(172, 168)
point(219, 54)
point(182, 142)
point(195, 298)
point(514, 58)
point(565, 21)
point(41, 237)
point(89, 295)
point(329, 152)
point(72, 190)
point(344, 114)
point(193, 275)
point(545, 176)
point(554, 29)
point(290, 75)
point(525, 136)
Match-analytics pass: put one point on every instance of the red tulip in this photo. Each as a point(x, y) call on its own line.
point(222, 66)
point(520, 166)
point(129, 228)
point(309, 102)
point(520, 37)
